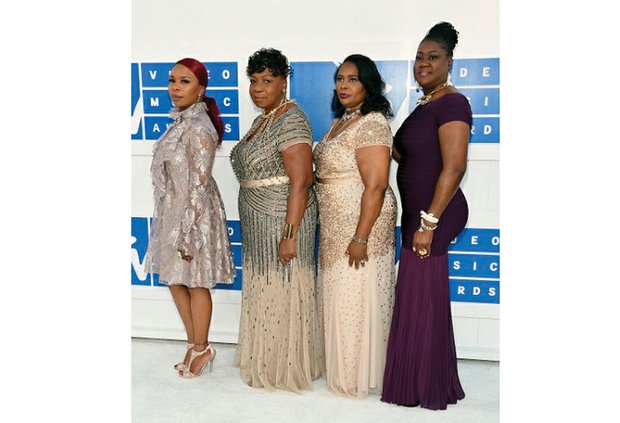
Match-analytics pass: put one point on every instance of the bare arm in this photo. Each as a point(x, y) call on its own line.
point(298, 164)
point(453, 142)
point(373, 163)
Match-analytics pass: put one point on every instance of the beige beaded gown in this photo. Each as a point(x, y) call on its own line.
point(279, 343)
point(189, 212)
point(355, 305)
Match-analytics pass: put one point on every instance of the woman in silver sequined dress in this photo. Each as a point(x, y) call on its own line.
point(357, 217)
point(279, 345)
point(188, 245)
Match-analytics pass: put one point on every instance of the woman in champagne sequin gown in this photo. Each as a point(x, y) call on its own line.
point(357, 217)
point(279, 344)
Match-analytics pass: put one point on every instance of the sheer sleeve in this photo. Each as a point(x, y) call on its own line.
point(374, 132)
point(201, 146)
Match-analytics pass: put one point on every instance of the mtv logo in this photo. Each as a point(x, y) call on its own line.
point(140, 227)
point(137, 108)
point(312, 86)
point(395, 74)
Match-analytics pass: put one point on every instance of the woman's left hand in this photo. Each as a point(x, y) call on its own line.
point(287, 250)
point(185, 257)
point(357, 254)
point(422, 243)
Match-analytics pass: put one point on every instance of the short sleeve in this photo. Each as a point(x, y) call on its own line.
point(455, 107)
point(294, 130)
point(374, 132)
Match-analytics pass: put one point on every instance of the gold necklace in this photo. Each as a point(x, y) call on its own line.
point(267, 119)
point(270, 115)
point(425, 99)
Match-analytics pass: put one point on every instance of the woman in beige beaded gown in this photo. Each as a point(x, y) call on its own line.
point(279, 344)
point(188, 245)
point(357, 218)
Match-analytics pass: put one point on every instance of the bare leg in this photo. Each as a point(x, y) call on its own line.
point(201, 307)
point(182, 299)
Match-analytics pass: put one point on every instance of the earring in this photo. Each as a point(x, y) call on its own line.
point(449, 80)
point(199, 97)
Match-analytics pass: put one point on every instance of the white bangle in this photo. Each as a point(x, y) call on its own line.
point(423, 226)
point(429, 217)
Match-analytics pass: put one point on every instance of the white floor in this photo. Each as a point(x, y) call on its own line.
point(159, 395)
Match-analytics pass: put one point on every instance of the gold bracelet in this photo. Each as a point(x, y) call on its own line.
point(287, 231)
point(359, 240)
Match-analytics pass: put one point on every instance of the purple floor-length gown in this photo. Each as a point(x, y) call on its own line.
point(421, 367)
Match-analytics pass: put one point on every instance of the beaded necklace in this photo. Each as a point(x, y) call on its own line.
point(425, 99)
point(344, 120)
point(271, 115)
point(267, 120)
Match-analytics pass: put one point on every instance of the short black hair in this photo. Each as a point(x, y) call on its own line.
point(371, 79)
point(268, 58)
point(444, 34)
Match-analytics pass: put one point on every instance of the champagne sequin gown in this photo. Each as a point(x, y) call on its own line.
point(189, 212)
point(355, 305)
point(279, 344)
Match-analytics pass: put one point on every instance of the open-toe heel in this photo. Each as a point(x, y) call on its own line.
point(209, 347)
point(181, 365)
point(187, 373)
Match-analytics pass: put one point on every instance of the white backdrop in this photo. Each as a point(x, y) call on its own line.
point(308, 31)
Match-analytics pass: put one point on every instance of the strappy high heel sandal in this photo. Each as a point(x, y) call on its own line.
point(186, 372)
point(180, 366)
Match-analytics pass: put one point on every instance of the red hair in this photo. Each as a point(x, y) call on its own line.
point(200, 71)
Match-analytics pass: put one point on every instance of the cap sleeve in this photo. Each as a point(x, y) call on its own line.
point(374, 131)
point(295, 129)
point(455, 107)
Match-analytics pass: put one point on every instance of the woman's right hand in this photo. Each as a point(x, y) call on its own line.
point(422, 243)
point(185, 257)
point(358, 254)
point(287, 250)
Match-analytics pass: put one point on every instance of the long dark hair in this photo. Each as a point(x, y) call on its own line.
point(371, 79)
point(213, 111)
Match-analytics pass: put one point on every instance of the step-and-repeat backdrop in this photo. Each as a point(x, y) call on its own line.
point(474, 256)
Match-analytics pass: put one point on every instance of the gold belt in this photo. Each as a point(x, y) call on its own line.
point(339, 181)
point(257, 183)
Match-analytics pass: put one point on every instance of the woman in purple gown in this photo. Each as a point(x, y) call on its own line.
point(431, 149)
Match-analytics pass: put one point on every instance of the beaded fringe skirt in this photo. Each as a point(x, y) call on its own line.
point(279, 343)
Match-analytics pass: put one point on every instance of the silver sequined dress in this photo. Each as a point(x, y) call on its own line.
point(279, 344)
point(355, 305)
point(189, 213)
